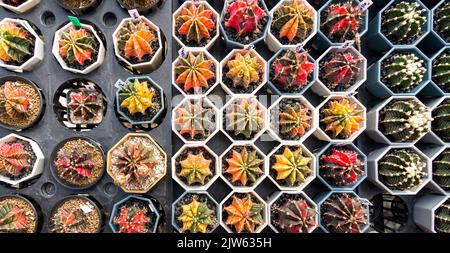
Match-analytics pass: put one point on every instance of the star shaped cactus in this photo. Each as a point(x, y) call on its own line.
point(244, 214)
point(246, 118)
point(441, 71)
point(341, 167)
point(194, 120)
point(442, 21)
point(244, 166)
point(12, 219)
point(342, 118)
point(294, 120)
point(74, 165)
point(196, 23)
point(403, 72)
point(340, 70)
point(292, 166)
point(196, 217)
point(245, 70)
point(195, 168)
point(244, 17)
point(295, 216)
point(292, 71)
point(132, 219)
point(15, 43)
point(194, 72)
point(441, 120)
point(76, 46)
point(341, 21)
point(14, 159)
point(441, 170)
point(137, 97)
point(13, 100)
point(69, 221)
point(85, 104)
point(136, 40)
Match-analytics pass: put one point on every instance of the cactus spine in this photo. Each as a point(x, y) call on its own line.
point(403, 72)
point(441, 120)
point(441, 170)
point(442, 21)
point(441, 72)
point(442, 218)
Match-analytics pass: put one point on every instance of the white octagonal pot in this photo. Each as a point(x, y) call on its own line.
point(425, 208)
point(26, 6)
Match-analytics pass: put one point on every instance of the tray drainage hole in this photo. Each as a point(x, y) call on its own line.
point(110, 189)
point(109, 19)
point(48, 18)
point(48, 189)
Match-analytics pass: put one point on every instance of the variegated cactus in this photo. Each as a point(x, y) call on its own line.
point(292, 70)
point(15, 43)
point(292, 166)
point(194, 72)
point(194, 120)
point(196, 23)
point(402, 72)
point(76, 46)
point(294, 120)
point(245, 70)
point(441, 170)
point(245, 118)
point(137, 97)
point(195, 168)
point(197, 217)
point(244, 166)
point(295, 216)
point(441, 120)
point(340, 71)
point(342, 22)
point(244, 17)
point(441, 72)
point(341, 167)
point(342, 118)
point(136, 40)
point(442, 21)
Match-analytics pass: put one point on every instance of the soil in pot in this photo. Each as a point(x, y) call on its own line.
point(195, 120)
point(135, 216)
point(280, 165)
point(78, 163)
point(243, 119)
point(14, 36)
point(20, 104)
point(85, 106)
point(195, 166)
point(292, 120)
point(242, 166)
point(340, 70)
point(139, 4)
point(17, 215)
point(16, 159)
point(243, 73)
point(249, 208)
point(76, 4)
point(210, 211)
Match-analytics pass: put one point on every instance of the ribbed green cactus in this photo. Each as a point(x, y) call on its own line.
point(442, 21)
point(441, 72)
point(401, 169)
point(405, 120)
point(403, 72)
point(402, 23)
point(441, 120)
point(441, 170)
point(442, 218)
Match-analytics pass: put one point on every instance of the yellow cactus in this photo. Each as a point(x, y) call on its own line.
point(195, 168)
point(292, 166)
point(244, 70)
point(342, 118)
point(138, 97)
point(196, 217)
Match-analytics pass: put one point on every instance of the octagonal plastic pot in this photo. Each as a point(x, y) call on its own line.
point(436, 154)
point(425, 208)
point(434, 88)
point(24, 7)
point(435, 136)
point(438, 39)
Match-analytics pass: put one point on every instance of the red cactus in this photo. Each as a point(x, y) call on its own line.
point(341, 69)
point(245, 16)
point(76, 165)
point(343, 20)
point(292, 69)
point(342, 167)
point(131, 220)
point(13, 158)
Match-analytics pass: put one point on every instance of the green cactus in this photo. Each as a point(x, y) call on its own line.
point(402, 23)
point(401, 169)
point(441, 170)
point(403, 72)
point(405, 120)
point(442, 21)
point(442, 218)
point(441, 120)
point(441, 72)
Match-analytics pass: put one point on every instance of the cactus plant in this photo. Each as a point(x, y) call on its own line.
point(342, 118)
point(16, 46)
point(442, 218)
point(133, 219)
point(85, 106)
point(441, 119)
point(69, 221)
point(343, 213)
point(137, 97)
point(292, 71)
point(402, 72)
point(13, 100)
point(74, 165)
point(441, 71)
point(341, 21)
point(294, 216)
point(137, 41)
point(196, 217)
point(195, 168)
point(12, 219)
point(244, 165)
point(442, 21)
point(402, 23)
point(14, 159)
point(196, 24)
point(293, 22)
point(75, 214)
point(194, 121)
point(77, 47)
point(244, 214)
point(244, 71)
point(441, 170)
point(340, 70)
point(195, 73)
point(245, 118)
point(405, 120)
point(341, 167)
point(292, 166)
point(401, 169)
point(294, 120)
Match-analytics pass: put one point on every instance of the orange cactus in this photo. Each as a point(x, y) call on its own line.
point(195, 168)
point(76, 45)
point(244, 166)
point(13, 100)
point(196, 22)
point(194, 71)
point(342, 118)
point(244, 214)
point(14, 43)
point(136, 39)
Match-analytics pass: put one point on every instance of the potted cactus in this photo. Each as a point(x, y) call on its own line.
point(196, 25)
point(195, 167)
point(75, 214)
point(78, 163)
point(21, 103)
point(195, 212)
point(293, 22)
point(18, 214)
point(291, 167)
point(139, 100)
point(441, 120)
point(441, 21)
point(440, 70)
point(21, 47)
point(85, 106)
point(143, 6)
point(441, 170)
point(19, 6)
point(242, 166)
point(343, 212)
point(138, 45)
point(243, 212)
point(78, 7)
point(291, 71)
point(136, 163)
point(293, 212)
point(432, 212)
point(134, 214)
point(244, 22)
point(243, 72)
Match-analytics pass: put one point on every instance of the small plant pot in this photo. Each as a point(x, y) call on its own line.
point(98, 56)
point(78, 8)
point(229, 120)
point(34, 111)
point(439, 156)
point(121, 222)
point(152, 114)
point(26, 207)
point(36, 49)
point(323, 208)
point(148, 63)
point(282, 89)
point(211, 82)
point(380, 87)
point(351, 171)
point(244, 195)
point(18, 9)
point(320, 132)
point(205, 43)
point(87, 215)
point(335, 86)
point(35, 160)
point(78, 163)
point(273, 40)
point(198, 157)
point(373, 165)
point(286, 113)
point(142, 9)
point(229, 36)
point(149, 176)
point(438, 86)
point(379, 42)
point(305, 165)
point(439, 126)
point(438, 36)
point(304, 219)
point(425, 212)
point(375, 129)
point(253, 87)
point(230, 165)
point(76, 109)
point(187, 200)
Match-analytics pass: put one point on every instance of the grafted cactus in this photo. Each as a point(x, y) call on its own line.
point(195, 168)
point(245, 166)
point(441, 170)
point(196, 23)
point(294, 120)
point(197, 217)
point(245, 118)
point(244, 16)
point(292, 166)
point(405, 120)
point(294, 20)
point(442, 218)
point(340, 70)
point(245, 70)
point(341, 167)
point(15, 44)
point(403, 72)
point(402, 23)
point(13, 219)
point(194, 72)
point(136, 40)
point(194, 121)
point(441, 120)
point(77, 46)
point(296, 216)
point(138, 97)
point(342, 118)
point(441, 71)
point(292, 70)
point(402, 169)
point(244, 214)
point(442, 21)
point(132, 219)
point(342, 21)
point(13, 100)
